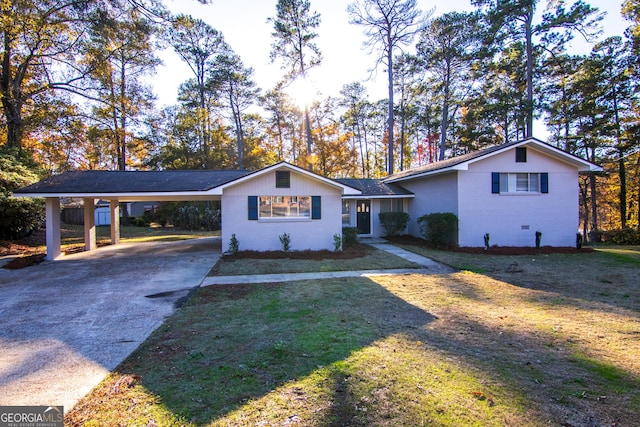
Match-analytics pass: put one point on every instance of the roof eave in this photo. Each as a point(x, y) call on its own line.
point(131, 196)
point(390, 196)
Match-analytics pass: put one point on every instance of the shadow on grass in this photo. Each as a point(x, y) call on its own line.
point(231, 344)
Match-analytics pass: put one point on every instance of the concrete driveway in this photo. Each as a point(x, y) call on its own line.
point(65, 324)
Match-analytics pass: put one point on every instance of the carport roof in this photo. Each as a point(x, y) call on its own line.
point(131, 182)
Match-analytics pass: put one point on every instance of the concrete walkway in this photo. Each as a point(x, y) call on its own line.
point(428, 265)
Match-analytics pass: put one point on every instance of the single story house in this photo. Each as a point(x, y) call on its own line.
point(509, 191)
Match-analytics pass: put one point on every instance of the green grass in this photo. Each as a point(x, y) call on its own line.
point(513, 346)
point(623, 254)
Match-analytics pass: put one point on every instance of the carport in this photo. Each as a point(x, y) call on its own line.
point(117, 187)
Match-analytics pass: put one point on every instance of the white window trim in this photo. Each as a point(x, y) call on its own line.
point(510, 180)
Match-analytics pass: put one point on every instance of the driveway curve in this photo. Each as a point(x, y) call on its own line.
point(65, 324)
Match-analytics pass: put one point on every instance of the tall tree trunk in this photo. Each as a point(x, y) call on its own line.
point(638, 193)
point(237, 119)
point(403, 124)
point(622, 172)
point(445, 113)
point(366, 151)
point(594, 201)
point(11, 105)
point(15, 124)
point(594, 207)
point(444, 124)
point(529, 47)
point(358, 136)
point(280, 137)
point(123, 120)
point(307, 126)
point(390, 123)
point(585, 209)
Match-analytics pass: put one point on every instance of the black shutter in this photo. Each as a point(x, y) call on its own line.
point(544, 182)
point(253, 208)
point(316, 207)
point(495, 182)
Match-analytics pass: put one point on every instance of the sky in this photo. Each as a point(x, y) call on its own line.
point(244, 26)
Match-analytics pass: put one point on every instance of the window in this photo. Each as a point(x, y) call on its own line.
point(521, 154)
point(284, 207)
point(502, 183)
point(391, 205)
point(346, 213)
point(283, 179)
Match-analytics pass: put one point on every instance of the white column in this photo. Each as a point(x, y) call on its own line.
point(89, 225)
point(114, 212)
point(52, 208)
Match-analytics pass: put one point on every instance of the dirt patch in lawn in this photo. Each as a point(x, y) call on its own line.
point(496, 250)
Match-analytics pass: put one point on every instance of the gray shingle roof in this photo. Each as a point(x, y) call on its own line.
point(375, 187)
point(454, 161)
point(108, 182)
point(447, 163)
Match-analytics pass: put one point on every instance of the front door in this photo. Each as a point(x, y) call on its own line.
point(363, 208)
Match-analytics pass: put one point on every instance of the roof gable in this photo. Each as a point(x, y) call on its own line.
point(463, 162)
point(346, 188)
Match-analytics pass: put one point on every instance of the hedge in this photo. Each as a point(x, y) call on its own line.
point(394, 222)
point(439, 229)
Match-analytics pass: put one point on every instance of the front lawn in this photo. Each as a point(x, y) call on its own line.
point(517, 341)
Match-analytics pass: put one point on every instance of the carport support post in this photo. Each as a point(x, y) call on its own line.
point(52, 209)
point(89, 225)
point(114, 212)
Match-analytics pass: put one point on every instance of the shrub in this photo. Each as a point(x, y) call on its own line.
point(20, 216)
point(439, 229)
point(337, 242)
point(234, 245)
point(349, 235)
point(189, 217)
point(394, 222)
point(140, 222)
point(285, 241)
point(211, 219)
point(626, 236)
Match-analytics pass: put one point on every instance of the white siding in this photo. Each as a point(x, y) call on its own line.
point(438, 193)
point(513, 219)
point(263, 235)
